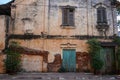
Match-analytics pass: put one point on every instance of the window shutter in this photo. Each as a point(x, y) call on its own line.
point(65, 16)
point(104, 15)
point(68, 16)
point(101, 15)
point(99, 18)
point(71, 17)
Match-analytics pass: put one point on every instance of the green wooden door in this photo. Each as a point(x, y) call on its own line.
point(108, 57)
point(69, 60)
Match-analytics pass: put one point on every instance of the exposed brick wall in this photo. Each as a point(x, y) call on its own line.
point(2, 32)
point(56, 64)
point(83, 61)
point(2, 68)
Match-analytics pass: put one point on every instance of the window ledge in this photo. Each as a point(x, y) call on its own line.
point(102, 26)
point(67, 27)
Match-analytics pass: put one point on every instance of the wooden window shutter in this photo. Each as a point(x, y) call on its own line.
point(101, 15)
point(64, 16)
point(104, 15)
point(71, 17)
point(68, 16)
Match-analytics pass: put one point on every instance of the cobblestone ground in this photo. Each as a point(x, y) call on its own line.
point(58, 76)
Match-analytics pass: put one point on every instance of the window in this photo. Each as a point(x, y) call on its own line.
point(68, 16)
point(101, 15)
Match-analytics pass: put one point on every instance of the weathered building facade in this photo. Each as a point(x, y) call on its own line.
point(53, 33)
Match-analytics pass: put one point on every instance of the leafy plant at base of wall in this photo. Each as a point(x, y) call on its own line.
point(117, 41)
point(62, 69)
point(13, 61)
point(94, 50)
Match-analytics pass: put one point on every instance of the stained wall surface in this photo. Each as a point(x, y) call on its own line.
point(2, 32)
point(37, 24)
point(38, 16)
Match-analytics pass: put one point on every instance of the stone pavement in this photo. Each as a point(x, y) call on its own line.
point(58, 76)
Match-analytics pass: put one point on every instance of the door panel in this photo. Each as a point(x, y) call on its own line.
point(107, 55)
point(69, 60)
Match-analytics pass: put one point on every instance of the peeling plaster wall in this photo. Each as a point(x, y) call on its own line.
point(32, 63)
point(41, 16)
point(55, 47)
point(30, 16)
point(3, 25)
point(45, 16)
point(2, 67)
point(2, 32)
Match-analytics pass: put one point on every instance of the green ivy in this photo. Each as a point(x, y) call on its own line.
point(94, 50)
point(13, 60)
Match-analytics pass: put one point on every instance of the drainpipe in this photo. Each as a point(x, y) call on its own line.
point(87, 18)
point(6, 32)
point(49, 7)
point(113, 20)
point(112, 10)
point(7, 21)
point(44, 16)
point(43, 32)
